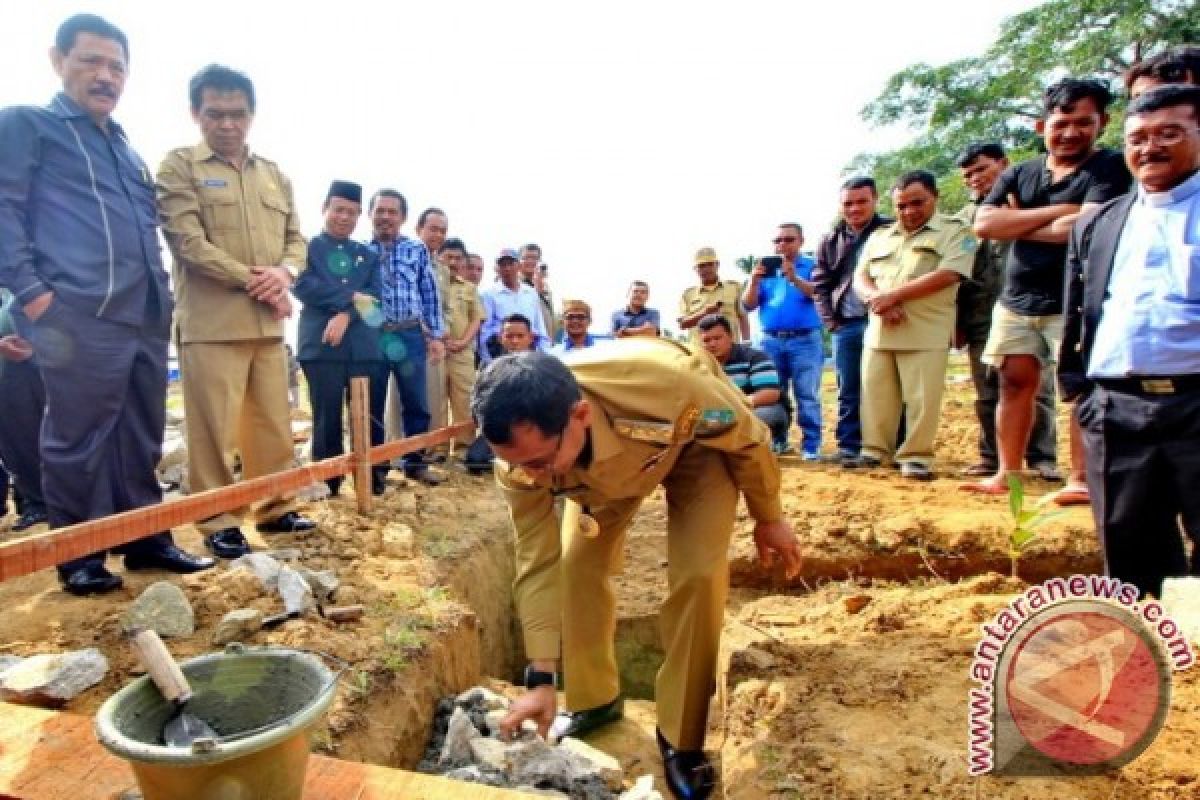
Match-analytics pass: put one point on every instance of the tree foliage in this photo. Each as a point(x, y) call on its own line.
point(996, 96)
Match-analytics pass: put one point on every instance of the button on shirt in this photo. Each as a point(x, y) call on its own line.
point(499, 301)
point(77, 214)
point(783, 307)
point(410, 289)
point(1150, 320)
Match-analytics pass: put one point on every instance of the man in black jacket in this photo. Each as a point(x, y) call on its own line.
point(842, 311)
point(1129, 358)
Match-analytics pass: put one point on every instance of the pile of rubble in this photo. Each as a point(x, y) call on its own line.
point(466, 746)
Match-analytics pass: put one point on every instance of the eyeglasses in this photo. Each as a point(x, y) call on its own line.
point(784, 239)
point(1166, 137)
point(545, 462)
point(575, 317)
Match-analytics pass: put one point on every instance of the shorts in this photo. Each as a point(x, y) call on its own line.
point(1014, 334)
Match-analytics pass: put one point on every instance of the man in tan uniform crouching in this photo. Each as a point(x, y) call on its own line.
point(603, 428)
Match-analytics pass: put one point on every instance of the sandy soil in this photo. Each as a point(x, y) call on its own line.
point(845, 705)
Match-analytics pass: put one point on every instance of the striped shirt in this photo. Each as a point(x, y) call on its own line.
point(750, 369)
point(410, 287)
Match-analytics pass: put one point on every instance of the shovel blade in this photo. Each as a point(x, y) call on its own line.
point(183, 729)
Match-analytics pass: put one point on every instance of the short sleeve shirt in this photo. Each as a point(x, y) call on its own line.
point(625, 318)
point(460, 305)
point(893, 257)
point(1033, 280)
point(728, 293)
point(750, 369)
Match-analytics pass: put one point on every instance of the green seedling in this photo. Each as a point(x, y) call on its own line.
point(1026, 521)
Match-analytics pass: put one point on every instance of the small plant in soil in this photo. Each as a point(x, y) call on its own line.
point(1026, 521)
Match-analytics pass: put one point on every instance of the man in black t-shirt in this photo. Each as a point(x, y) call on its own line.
point(1033, 205)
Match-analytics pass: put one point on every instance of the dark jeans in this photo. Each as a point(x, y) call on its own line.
point(777, 419)
point(405, 354)
point(1041, 448)
point(847, 363)
point(329, 392)
point(101, 437)
point(22, 403)
point(1143, 469)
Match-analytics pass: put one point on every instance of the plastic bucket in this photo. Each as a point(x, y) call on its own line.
point(261, 701)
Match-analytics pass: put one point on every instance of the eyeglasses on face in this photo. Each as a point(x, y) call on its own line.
point(784, 239)
point(575, 317)
point(1165, 137)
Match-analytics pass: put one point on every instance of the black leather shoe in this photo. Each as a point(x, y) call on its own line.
point(291, 522)
point(423, 474)
point(577, 723)
point(90, 580)
point(170, 558)
point(227, 543)
point(28, 519)
point(689, 773)
point(378, 485)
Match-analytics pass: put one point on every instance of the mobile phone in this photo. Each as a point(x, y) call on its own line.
point(771, 265)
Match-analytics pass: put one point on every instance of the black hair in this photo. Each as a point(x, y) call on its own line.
point(1177, 65)
point(520, 319)
point(454, 244)
point(69, 30)
point(1063, 95)
point(714, 321)
point(532, 246)
point(426, 214)
point(219, 79)
point(1169, 96)
point(977, 149)
point(533, 387)
point(793, 225)
point(641, 283)
point(921, 176)
point(393, 194)
point(860, 182)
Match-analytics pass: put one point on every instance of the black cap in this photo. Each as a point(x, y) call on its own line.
point(346, 190)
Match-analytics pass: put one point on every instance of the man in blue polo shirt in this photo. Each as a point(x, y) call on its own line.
point(791, 330)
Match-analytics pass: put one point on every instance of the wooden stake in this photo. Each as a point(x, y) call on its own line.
point(360, 442)
point(50, 548)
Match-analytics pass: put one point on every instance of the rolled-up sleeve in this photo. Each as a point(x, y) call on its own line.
point(537, 588)
point(179, 208)
point(19, 144)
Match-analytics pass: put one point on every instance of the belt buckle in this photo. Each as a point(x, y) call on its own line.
point(1158, 385)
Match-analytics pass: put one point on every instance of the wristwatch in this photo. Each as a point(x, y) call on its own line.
point(535, 678)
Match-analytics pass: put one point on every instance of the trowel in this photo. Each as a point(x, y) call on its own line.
point(181, 729)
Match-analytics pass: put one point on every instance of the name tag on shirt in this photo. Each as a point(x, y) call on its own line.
point(216, 183)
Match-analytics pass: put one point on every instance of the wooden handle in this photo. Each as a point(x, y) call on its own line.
point(161, 667)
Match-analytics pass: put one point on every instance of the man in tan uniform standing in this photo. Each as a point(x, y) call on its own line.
point(603, 428)
point(231, 224)
point(712, 296)
point(462, 314)
point(908, 275)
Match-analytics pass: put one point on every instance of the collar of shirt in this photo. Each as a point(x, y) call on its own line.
point(66, 108)
point(569, 345)
point(1176, 194)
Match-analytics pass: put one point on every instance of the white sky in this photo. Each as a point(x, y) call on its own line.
point(620, 136)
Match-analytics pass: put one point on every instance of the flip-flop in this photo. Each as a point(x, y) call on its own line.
point(979, 487)
point(1072, 496)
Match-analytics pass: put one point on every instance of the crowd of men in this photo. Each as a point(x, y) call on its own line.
point(1082, 258)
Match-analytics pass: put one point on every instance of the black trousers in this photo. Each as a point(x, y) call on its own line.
point(101, 436)
point(22, 404)
point(1143, 472)
point(329, 393)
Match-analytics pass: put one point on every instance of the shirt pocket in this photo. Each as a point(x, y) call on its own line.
point(921, 260)
point(219, 208)
point(276, 210)
point(882, 264)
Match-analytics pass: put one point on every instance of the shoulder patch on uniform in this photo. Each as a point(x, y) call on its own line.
point(215, 183)
point(642, 430)
point(714, 421)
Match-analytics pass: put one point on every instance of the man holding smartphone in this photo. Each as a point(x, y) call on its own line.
point(781, 289)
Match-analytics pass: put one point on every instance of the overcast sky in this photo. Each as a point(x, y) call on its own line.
point(621, 136)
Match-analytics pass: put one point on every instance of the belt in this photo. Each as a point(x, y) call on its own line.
point(1158, 385)
point(790, 334)
point(403, 325)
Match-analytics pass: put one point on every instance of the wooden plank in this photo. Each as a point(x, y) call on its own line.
point(360, 442)
point(48, 755)
point(40, 551)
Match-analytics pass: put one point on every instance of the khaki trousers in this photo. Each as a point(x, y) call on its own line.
point(460, 377)
point(912, 379)
point(435, 392)
point(235, 397)
point(701, 505)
